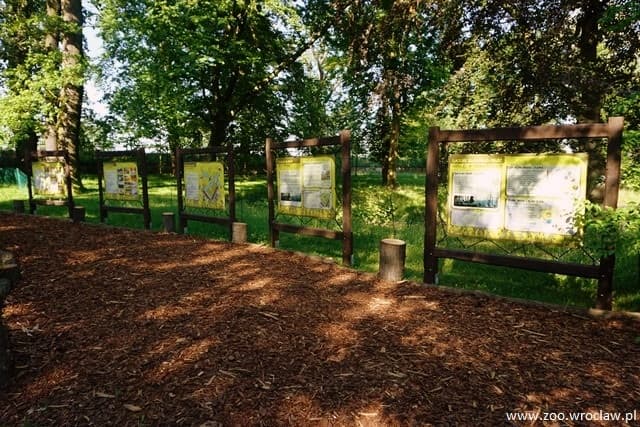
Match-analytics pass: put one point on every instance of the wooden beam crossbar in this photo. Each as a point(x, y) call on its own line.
point(531, 133)
point(533, 264)
point(308, 231)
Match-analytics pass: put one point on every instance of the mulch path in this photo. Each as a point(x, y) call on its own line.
point(121, 327)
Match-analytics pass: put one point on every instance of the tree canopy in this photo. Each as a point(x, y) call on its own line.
point(206, 72)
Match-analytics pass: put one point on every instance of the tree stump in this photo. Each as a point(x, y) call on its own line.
point(78, 214)
point(169, 222)
point(392, 258)
point(239, 232)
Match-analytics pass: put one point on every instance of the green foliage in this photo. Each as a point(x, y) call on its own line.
point(188, 71)
point(531, 62)
point(607, 231)
point(631, 159)
point(29, 74)
point(386, 207)
point(390, 59)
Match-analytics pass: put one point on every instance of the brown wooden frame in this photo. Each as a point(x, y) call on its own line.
point(346, 235)
point(603, 272)
point(141, 160)
point(183, 215)
point(33, 202)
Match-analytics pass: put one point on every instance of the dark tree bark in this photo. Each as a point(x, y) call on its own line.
point(51, 41)
point(72, 92)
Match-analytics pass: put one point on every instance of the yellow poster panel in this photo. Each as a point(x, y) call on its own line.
point(525, 197)
point(121, 181)
point(49, 179)
point(306, 186)
point(204, 185)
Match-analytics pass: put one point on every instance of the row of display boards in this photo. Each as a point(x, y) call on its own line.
point(523, 197)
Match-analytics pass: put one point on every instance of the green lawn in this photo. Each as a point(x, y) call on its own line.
point(376, 214)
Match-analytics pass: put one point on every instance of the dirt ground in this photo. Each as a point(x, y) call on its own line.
point(121, 327)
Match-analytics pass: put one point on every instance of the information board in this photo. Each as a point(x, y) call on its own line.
point(520, 197)
point(306, 186)
point(121, 181)
point(204, 185)
point(49, 179)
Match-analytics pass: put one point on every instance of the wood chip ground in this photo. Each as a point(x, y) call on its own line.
point(120, 327)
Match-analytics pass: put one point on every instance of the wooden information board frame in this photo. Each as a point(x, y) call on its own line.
point(141, 160)
point(183, 215)
point(30, 156)
point(612, 131)
point(275, 228)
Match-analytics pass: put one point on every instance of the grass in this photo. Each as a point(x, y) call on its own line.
point(377, 214)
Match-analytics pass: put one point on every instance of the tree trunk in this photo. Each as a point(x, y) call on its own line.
point(589, 35)
point(51, 41)
point(72, 92)
point(218, 127)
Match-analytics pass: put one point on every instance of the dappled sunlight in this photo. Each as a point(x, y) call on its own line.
point(342, 279)
point(165, 312)
point(187, 332)
point(186, 357)
point(47, 382)
point(340, 339)
point(188, 305)
point(428, 335)
point(17, 310)
point(307, 409)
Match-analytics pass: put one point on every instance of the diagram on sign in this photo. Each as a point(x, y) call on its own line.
point(306, 186)
point(49, 179)
point(522, 196)
point(121, 181)
point(204, 185)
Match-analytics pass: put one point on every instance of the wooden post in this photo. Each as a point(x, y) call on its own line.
point(69, 183)
point(431, 208)
point(392, 258)
point(18, 206)
point(347, 238)
point(29, 169)
point(169, 222)
point(239, 232)
point(146, 213)
point(78, 214)
point(273, 234)
point(604, 299)
point(179, 168)
point(103, 211)
point(232, 191)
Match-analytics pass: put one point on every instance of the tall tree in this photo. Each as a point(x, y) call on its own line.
point(43, 73)
point(24, 72)
point(392, 57)
point(547, 60)
point(72, 90)
point(531, 62)
point(51, 42)
point(186, 67)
